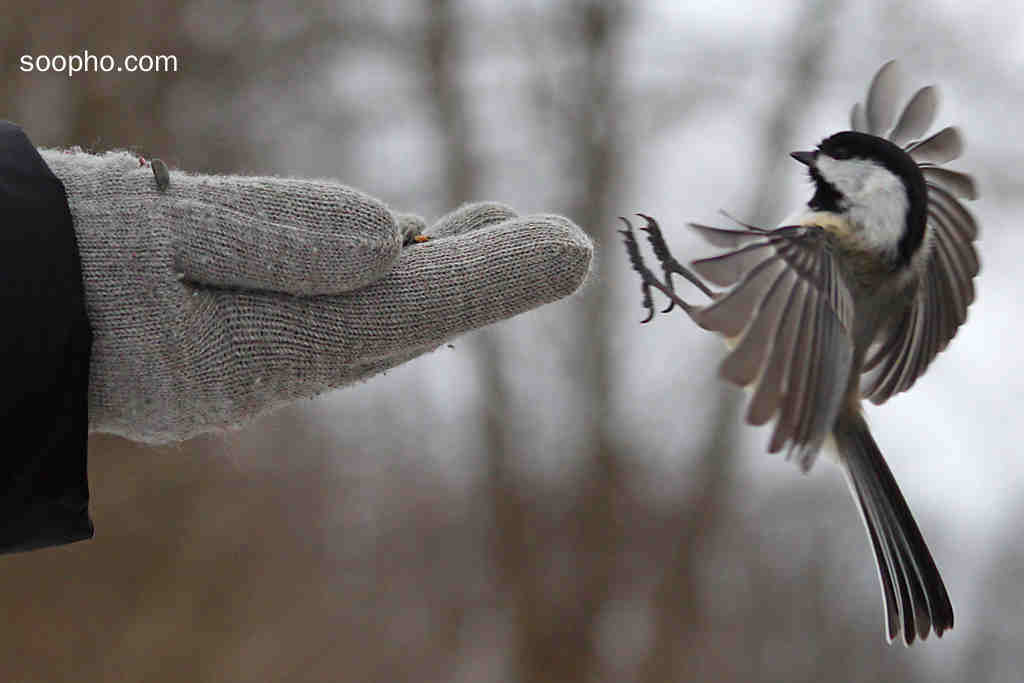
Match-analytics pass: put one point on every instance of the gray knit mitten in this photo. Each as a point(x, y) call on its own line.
point(217, 298)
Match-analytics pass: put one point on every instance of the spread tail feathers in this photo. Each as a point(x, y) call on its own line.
point(915, 597)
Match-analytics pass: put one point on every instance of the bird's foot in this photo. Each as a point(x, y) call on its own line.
point(669, 265)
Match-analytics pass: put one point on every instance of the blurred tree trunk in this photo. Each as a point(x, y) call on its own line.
point(595, 148)
point(448, 106)
point(553, 633)
point(559, 623)
point(519, 562)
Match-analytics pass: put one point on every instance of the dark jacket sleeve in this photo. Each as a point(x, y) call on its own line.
point(44, 350)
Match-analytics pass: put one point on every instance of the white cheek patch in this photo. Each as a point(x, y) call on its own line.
point(874, 197)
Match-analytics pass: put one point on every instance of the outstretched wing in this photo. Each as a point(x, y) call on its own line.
point(792, 315)
point(902, 352)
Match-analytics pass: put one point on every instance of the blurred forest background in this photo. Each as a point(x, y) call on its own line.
point(567, 496)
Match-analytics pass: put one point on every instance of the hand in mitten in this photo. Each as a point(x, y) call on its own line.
point(215, 298)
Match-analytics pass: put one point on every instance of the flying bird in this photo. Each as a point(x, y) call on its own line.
point(851, 298)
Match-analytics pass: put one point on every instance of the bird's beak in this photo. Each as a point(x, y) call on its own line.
point(806, 158)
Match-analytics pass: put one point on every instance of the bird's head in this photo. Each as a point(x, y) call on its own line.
point(874, 185)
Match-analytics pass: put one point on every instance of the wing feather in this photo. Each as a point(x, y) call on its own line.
point(930, 317)
point(794, 312)
point(769, 389)
point(727, 239)
point(731, 314)
point(794, 376)
point(858, 119)
point(896, 366)
point(883, 98)
point(945, 289)
point(917, 116)
point(729, 268)
point(955, 293)
point(958, 184)
point(834, 363)
point(941, 148)
point(947, 311)
point(743, 365)
point(959, 263)
point(804, 390)
point(884, 349)
point(961, 219)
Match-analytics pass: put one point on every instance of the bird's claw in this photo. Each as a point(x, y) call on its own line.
point(668, 263)
point(637, 261)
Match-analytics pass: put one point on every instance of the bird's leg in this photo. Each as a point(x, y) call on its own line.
point(637, 261)
point(668, 263)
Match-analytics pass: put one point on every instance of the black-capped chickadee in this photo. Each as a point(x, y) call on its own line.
point(850, 298)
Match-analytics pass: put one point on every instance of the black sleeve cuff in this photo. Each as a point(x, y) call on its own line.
point(45, 342)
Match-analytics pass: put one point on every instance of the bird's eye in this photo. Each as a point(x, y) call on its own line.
point(840, 152)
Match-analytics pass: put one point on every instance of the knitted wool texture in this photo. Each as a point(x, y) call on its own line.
point(223, 297)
